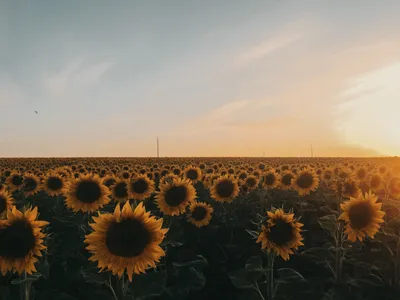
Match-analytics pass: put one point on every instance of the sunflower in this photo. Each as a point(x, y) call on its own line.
point(141, 187)
point(168, 178)
point(2, 187)
point(120, 190)
point(286, 180)
point(31, 184)
point(327, 175)
point(361, 173)
point(200, 214)
point(192, 173)
point(349, 188)
point(127, 240)
point(54, 184)
point(383, 169)
point(394, 187)
point(87, 194)
point(375, 182)
point(306, 181)
point(6, 203)
point(15, 181)
point(270, 179)
point(109, 180)
point(362, 216)
point(21, 241)
point(251, 182)
point(224, 189)
point(281, 234)
point(173, 198)
point(242, 175)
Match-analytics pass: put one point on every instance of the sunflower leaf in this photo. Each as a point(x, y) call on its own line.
point(254, 269)
point(239, 280)
point(198, 261)
point(254, 234)
point(287, 275)
point(328, 223)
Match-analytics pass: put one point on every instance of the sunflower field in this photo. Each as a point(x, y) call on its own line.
point(200, 228)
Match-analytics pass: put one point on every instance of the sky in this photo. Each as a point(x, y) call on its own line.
point(210, 78)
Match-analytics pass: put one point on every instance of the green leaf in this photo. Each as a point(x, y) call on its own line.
point(254, 269)
point(254, 234)
point(328, 223)
point(198, 261)
point(31, 278)
point(239, 280)
point(149, 285)
point(93, 277)
point(287, 275)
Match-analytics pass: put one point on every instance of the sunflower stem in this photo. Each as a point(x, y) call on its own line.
point(112, 289)
point(270, 276)
point(27, 287)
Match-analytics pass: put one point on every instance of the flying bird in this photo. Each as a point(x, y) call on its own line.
point(36, 112)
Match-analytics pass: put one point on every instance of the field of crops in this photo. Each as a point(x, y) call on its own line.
point(200, 228)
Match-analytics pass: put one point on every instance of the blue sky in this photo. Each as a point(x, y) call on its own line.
point(209, 77)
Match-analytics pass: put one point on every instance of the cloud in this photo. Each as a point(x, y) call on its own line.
point(75, 75)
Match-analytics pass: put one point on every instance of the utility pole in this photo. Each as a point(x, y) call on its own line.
point(158, 148)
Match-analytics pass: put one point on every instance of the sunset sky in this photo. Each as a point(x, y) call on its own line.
point(210, 78)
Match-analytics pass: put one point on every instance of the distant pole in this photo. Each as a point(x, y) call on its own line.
point(312, 150)
point(158, 148)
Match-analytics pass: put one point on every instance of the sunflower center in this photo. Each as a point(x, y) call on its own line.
point(360, 215)
point(127, 238)
point(30, 184)
point(175, 195)
point(54, 183)
point(17, 240)
point(88, 191)
point(192, 174)
point(3, 204)
point(270, 179)
point(109, 182)
point(120, 190)
point(225, 188)
point(17, 180)
point(140, 186)
point(287, 179)
point(305, 181)
point(251, 182)
point(281, 233)
point(199, 213)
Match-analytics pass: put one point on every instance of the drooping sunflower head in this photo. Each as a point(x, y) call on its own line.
point(21, 241)
point(286, 182)
point(200, 214)
point(141, 187)
point(270, 179)
point(224, 189)
point(361, 173)
point(54, 184)
point(175, 196)
point(15, 181)
point(375, 182)
point(306, 181)
point(87, 194)
point(126, 241)
point(192, 173)
point(349, 188)
point(362, 216)
point(120, 190)
point(6, 203)
point(281, 234)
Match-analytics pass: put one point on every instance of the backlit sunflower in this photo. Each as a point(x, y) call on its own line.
point(31, 184)
point(119, 191)
point(286, 180)
point(361, 173)
point(54, 184)
point(192, 173)
point(6, 203)
point(15, 181)
point(376, 182)
point(350, 188)
point(270, 179)
point(87, 194)
point(394, 187)
point(173, 198)
point(200, 214)
point(224, 189)
point(141, 187)
point(281, 234)
point(21, 241)
point(305, 181)
point(126, 241)
point(362, 216)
